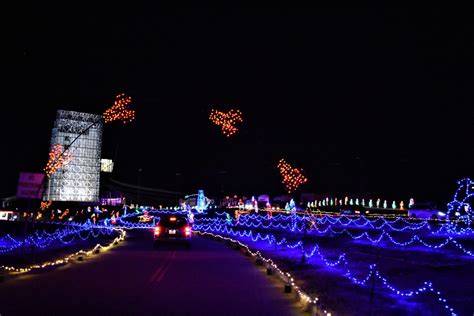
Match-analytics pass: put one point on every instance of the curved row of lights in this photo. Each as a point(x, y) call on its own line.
point(270, 263)
point(67, 258)
point(45, 242)
point(342, 259)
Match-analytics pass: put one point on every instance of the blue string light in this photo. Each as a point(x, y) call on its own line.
point(341, 260)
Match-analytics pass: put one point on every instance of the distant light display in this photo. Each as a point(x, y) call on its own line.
point(58, 158)
point(201, 204)
point(227, 120)
point(460, 207)
point(292, 177)
point(119, 111)
point(106, 165)
point(81, 135)
point(45, 205)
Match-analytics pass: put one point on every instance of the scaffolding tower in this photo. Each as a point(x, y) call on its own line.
point(80, 179)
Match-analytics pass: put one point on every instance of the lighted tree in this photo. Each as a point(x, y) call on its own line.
point(58, 159)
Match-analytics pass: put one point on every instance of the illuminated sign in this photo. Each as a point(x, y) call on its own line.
point(106, 165)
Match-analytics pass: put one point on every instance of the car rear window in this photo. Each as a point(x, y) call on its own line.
point(178, 222)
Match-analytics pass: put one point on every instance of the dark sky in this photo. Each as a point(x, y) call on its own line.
point(379, 100)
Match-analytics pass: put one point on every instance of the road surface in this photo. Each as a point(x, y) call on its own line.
point(134, 279)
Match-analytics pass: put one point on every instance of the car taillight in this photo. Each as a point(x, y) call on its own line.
point(187, 231)
point(157, 230)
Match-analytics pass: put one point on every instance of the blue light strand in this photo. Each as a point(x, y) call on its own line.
point(414, 238)
point(44, 239)
point(348, 274)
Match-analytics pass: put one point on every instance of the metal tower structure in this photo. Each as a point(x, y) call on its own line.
point(80, 179)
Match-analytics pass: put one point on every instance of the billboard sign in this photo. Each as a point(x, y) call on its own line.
point(29, 185)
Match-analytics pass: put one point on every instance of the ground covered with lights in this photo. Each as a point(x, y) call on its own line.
point(368, 265)
point(342, 264)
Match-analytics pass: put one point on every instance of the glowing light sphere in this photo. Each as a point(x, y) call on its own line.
point(119, 111)
point(227, 121)
point(58, 158)
point(292, 177)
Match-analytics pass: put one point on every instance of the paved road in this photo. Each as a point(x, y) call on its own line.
point(134, 279)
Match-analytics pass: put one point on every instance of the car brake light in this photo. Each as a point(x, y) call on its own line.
point(187, 231)
point(172, 219)
point(157, 230)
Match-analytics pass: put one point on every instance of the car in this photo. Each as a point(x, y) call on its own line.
point(172, 228)
point(425, 211)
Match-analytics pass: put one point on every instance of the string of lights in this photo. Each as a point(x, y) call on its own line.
point(428, 287)
point(271, 264)
point(414, 238)
point(46, 241)
point(67, 258)
point(361, 222)
point(460, 208)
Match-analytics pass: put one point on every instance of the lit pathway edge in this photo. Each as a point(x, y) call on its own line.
point(309, 303)
point(69, 257)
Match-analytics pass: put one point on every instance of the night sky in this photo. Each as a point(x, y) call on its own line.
point(371, 100)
